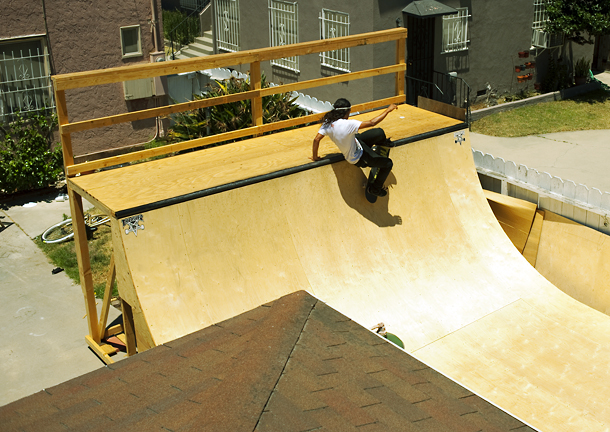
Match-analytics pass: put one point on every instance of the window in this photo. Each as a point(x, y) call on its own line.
point(540, 38)
point(283, 18)
point(227, 25)
point(25, 78)
point(455, 31)
point(334, 24)
point(131, 43)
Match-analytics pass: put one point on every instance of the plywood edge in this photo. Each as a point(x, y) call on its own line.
point(441, 108)
point(127, 291)
point(516, 216)
point(530, 252)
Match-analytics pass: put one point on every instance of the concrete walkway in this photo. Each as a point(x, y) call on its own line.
point(42, 315)
point(578, 156)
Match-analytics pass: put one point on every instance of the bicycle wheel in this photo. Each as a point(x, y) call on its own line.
point(95, 220)
point(59, 232)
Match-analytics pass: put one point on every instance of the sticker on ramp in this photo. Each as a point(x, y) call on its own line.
point(459, 137)
point(133, 224)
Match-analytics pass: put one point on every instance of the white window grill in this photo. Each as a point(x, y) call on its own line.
point(335, 24)
point(541, 38)
point(284, 30)
point(25, 79)
point(540, 14)
point(455, 31)
point(227, 25)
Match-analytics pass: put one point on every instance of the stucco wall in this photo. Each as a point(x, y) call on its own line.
point(86, 36)
point(21, 18)
point(498, 31)
point(82, 36)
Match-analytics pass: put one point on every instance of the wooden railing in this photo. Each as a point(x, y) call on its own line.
point(256, 93)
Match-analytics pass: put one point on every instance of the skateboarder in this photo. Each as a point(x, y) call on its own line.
point(356, 147)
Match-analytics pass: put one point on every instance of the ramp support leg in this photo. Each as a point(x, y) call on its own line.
point(129, 327)
point(84, 263)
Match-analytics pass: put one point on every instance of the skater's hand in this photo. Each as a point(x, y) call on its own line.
point(392, 107)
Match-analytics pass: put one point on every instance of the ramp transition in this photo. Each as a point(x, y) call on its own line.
point(430, 261)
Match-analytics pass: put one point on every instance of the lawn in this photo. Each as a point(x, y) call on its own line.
point(100, 250)
point(586, 112)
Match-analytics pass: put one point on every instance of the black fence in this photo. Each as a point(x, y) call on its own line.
point(444, 88)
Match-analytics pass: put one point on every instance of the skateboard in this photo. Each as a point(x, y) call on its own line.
point(381, 151)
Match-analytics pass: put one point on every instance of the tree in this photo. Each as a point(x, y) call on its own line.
point(579, 20)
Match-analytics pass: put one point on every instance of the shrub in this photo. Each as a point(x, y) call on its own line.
point(231, 116)
point(184, 27)
point(28, 158)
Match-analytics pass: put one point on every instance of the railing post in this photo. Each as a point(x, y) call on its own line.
point(66, 139)
point(84, 263)
point(401, 45)
point(257, 100)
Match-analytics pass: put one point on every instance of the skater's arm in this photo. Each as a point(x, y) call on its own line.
point(374, 121)
point(316, 145)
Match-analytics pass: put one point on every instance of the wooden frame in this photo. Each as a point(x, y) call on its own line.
point(97, 331)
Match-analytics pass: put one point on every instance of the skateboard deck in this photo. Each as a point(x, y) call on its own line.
point(381, 151)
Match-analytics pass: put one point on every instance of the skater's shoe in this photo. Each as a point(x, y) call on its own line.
point(388, 143)
point(380, 192)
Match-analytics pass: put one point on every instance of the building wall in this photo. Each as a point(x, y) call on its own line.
point(86, 36)
point(498, 31)
point(20, 18)
point(365, 16)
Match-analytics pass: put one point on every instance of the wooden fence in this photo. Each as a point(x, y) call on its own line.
point(256, 93)
point(587, 206)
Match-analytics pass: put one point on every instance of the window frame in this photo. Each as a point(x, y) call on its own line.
point(287, 15)
point(139, 34)
point(336, 59)
point(461, 19)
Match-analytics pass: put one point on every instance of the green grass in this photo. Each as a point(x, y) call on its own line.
point(587, 112)
point(100, 250)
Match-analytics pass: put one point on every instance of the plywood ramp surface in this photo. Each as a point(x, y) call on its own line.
point(430, 261)
point(155, 181)
point(576, 259)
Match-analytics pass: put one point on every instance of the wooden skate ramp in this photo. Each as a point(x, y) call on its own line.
point(430, 261)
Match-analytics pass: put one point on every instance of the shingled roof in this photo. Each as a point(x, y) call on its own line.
point(294, 364)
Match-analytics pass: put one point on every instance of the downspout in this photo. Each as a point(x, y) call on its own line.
point(154, 23)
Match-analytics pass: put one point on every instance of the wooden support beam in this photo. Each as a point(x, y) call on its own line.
point(401, 46)
point(84, 263)
point(107, 297)
point(102, 350)
point(254, 94)
point(149, 70)
point(62, 118)
point(257, 102)
point(129, 327)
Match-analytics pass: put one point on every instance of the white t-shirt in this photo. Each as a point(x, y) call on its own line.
point(343, 133)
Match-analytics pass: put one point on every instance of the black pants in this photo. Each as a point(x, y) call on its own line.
point(369, 158)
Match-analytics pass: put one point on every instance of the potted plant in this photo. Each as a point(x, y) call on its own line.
point(581, 70)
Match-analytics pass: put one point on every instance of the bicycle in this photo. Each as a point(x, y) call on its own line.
point(63, 230)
